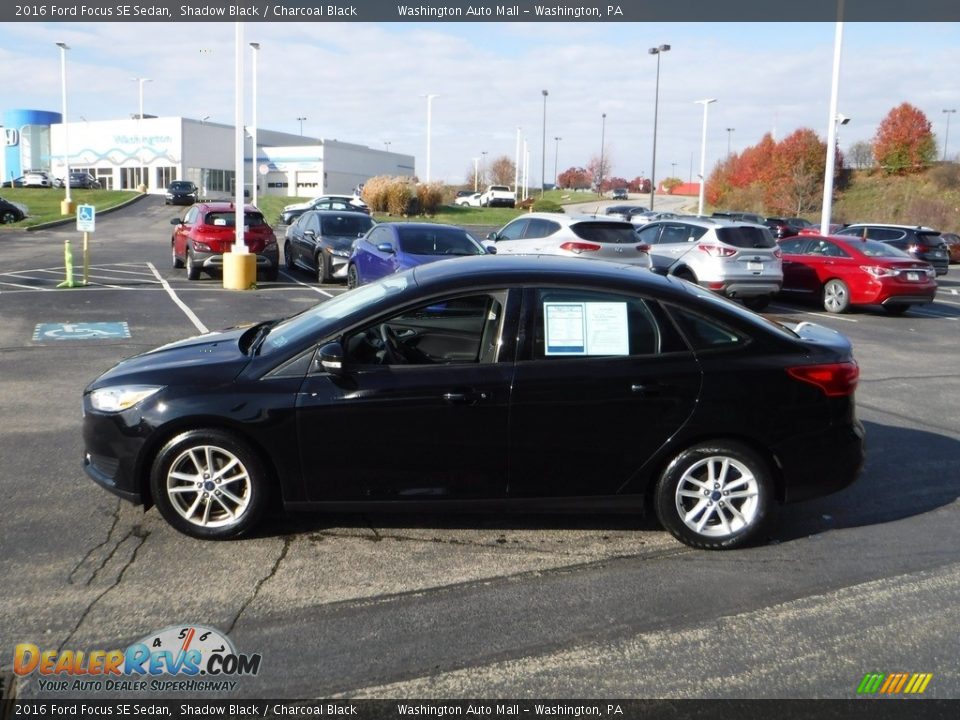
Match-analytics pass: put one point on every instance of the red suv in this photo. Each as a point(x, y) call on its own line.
point(207, 231)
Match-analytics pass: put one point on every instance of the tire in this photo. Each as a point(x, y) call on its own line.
point(353, 279)
point(177, 262)
point(757, 302)
point(271, 274)
point(208, 484)
point(896, 309)
point(9, 217)
point(739, 498)
point(193, 270)
point(836, 296)
point(288, 256)
point(323, 269)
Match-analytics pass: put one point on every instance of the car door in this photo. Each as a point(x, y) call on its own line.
point(602, 382)
point(799, 276)
point(511, 239)
point(182, 231)
point(432, 426)
point(297, 239)
point(375, 262)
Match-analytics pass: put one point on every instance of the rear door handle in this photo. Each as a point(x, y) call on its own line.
point(464, 398)
point(646, 390)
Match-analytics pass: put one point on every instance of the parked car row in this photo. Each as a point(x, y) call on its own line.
point(44, 179)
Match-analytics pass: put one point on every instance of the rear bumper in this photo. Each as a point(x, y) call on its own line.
point(746, 288)
point(821, 464)
point(214, 261)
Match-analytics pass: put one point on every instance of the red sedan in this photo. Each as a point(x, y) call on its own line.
point(848, 271)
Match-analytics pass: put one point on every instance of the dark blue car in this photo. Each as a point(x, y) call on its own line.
point(393, 247)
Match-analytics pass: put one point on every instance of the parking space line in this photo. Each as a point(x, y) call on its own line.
point(785, 308)
point(192, 316)
point(303, 284)
point(26, 287)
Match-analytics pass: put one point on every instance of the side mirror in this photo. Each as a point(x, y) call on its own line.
point(176, 221)
point(386, 248)
point(309, 233)
point(490, 248)
point(330, 357)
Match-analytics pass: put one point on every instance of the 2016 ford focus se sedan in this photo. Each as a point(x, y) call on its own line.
point(487, 383)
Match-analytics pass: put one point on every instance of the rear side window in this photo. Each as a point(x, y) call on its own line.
point(746, 237)
point(539, 228)
point(603, 232)
point(704, 334)
point(872, 248)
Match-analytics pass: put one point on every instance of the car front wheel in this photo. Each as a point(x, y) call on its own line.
point(353, 279)
point(208, 484)
point(757, 303)
point(715, 496)
point(8, 217)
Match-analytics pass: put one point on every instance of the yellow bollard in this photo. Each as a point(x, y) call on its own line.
point(239, 271)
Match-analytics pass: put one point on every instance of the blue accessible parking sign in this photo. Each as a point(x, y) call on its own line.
point(81, 331)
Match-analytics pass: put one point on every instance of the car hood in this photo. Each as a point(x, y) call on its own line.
point(199, 359)
point(297, 206)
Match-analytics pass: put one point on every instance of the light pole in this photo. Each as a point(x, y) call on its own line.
point(673, 172)
point(658, 51)
point(66, 207)
point(543, 148)
point(483, 166)
point(255, 176)
point(476, 176)
point(143, 171)
point(729, 131)
point(300, 120)
point(946, 137)
point(386, 145)
point(429, 98)
point(556, 156)
point(603, 130)
point(703, 152)
point(516, 167)
point(827, 207)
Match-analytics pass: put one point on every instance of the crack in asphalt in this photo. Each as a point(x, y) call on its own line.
point(136, 532)
point(89, 553)
point(287, 541)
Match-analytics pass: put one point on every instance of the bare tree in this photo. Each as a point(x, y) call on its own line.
point(861, 155)
point(501, 171)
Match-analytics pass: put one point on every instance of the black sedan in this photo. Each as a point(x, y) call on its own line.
point(181, 192)
point(489, 382)
point(10, 212)
point(320, 241)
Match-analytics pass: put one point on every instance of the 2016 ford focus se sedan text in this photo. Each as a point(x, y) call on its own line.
point(487, 383)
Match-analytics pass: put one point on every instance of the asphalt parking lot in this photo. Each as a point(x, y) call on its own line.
point(472, 606)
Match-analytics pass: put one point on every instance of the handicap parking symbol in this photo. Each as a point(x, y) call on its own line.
point(81, 331)
point(86, 218)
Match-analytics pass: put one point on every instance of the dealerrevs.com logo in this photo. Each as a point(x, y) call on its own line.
point(894, 683)
point(198, 658)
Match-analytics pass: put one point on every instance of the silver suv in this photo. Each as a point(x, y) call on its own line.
point(736, 259)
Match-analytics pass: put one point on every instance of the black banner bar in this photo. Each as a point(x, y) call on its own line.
point(457, 11)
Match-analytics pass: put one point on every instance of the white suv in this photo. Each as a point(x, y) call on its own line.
point(735, 259)
point(587, 237)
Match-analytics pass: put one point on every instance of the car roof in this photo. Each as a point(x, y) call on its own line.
point(709, 222)
point(892, 226)
point(224, 206)
point(339, 213)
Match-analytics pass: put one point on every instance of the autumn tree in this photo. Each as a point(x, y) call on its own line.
point(799, 162)
point(502, 171)
point(599, 169)
point(904, 141)
point(574, 178)
point(639, 185)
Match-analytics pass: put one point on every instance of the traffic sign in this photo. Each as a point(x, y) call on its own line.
point(86, 218)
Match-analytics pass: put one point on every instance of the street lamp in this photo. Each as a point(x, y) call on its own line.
point(729, 131)
point(703, 152)
point(543, 148)
point(429, 98)
point(516, 167)
point(300, 120)
point(476, 176)
point(386, 145)
point(603, 130)
point(143, 171)
point(254, 166)
point(483, 165)
point(946, 137)
point(658, 51)
point(556, 156)
point(66, 207)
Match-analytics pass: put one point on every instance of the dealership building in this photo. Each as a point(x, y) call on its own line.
point(154, 151)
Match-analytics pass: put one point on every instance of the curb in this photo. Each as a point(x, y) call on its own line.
point(69, 220)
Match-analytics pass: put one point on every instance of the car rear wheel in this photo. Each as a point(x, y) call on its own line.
point(836, 296)
point(353, 279)
point(896, 309)
point(208, 484)
point(193, 270)
point(715, 495)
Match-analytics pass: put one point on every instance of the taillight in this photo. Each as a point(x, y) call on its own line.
point(580, 247)
point(716, 250)
point(878, 271)
point(643, 247)
point(835, 379)
point(777, 253)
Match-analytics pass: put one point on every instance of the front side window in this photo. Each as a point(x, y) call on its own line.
point(514, 230)
point(455, 330)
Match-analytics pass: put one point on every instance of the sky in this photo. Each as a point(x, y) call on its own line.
point(366, 82)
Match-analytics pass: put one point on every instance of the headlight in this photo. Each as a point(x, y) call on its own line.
point(121, 397)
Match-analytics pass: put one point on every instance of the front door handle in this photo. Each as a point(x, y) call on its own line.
point(464, 398)
point(646, 390)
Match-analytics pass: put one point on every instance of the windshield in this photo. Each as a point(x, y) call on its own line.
point(346, 225)
point(437, 241)
point(314, 321)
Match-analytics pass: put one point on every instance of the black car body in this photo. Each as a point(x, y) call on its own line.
point(525, 383)
point(320, 241)
point(84, 181)
point(624, 212)
point(781, 227)
point(922, 242)
point(181, 192)
point(10, 212)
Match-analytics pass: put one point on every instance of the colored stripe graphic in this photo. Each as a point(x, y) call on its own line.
point(894, 683)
